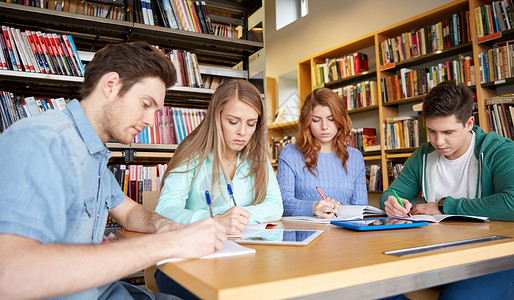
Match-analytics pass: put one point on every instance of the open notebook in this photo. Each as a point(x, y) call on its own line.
point(439, 218)
point(230, 248)
point(344, 212)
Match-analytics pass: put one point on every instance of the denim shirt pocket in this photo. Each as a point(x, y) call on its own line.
point(82, 225)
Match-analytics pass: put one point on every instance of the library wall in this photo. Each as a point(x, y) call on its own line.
point(330, 23)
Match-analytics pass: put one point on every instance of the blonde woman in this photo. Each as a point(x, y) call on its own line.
point(228, 147)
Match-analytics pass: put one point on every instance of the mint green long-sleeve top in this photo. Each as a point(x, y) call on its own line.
point(183, 200)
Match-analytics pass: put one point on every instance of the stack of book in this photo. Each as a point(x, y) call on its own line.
point(136, 179)
point(363, 137)
point(374, 178)
point(37, 52)
point(112, 9)
point(362, 94)
point(497, 63)
point(418, 82)
point(188, 71)
point(212, 82)
point(393, 170)
point(14, 108)
point(340, 68)
point(402, 132)
point(277, 145)
point(494, 17)
point(500, 115)
point(172, 125)
point(442, 35)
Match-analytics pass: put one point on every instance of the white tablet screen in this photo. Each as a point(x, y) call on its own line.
point(281, 237)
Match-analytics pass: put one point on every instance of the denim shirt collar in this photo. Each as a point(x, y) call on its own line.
point(87, 132)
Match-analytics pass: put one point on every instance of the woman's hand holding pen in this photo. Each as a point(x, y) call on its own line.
point(234, 219)
point(325, 208)
point(394, 209)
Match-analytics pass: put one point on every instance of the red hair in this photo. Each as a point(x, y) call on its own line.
point(305, 141)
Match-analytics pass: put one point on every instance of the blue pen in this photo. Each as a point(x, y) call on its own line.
point(208, 197)
point(231, 194)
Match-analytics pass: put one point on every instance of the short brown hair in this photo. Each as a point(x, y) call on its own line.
point(132, 61)
point(449, 98)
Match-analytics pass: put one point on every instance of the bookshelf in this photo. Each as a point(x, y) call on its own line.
point(217, 56)
point(375, 116)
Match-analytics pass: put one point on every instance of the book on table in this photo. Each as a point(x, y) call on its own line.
point(230, 248)
point(439, 218)
point(344, 212)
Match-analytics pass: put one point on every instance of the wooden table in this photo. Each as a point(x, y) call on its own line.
point(350, 264)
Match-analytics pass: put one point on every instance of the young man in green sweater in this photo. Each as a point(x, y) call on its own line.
point(461, 171)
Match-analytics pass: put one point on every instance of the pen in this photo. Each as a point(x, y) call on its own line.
point(321, 193)
point(231, 194)
point(323, 196)
point(401, 203)
point(208, 198)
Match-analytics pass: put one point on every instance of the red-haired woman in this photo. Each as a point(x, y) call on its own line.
point(321, 158)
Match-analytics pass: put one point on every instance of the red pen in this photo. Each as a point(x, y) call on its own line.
point(321, 193)
point(323, 196)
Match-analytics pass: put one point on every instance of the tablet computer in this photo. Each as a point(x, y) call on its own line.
point(378, 224)
point(291, 237)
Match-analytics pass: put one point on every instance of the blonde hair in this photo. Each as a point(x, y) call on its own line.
point(208, 136)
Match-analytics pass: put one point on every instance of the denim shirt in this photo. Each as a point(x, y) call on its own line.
point(56, 187)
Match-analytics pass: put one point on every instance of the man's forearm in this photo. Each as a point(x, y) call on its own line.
point(29, 269)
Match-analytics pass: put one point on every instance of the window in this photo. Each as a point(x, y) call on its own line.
point(288, 11)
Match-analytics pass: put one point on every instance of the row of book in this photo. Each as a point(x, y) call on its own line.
point(494, 17)
point(362, 94)
point(14, 108)
point(418, 42)
point(37, 52)
point(497, 63)
point(393, 170)
point(112, 9)
point(212, 82)
point(402, 132)
point(277, 144)
point(180, 14)
point(172, 125)
point(188, 71)
point(186, 15)
point(136, 179)
point(418, 82)
point(95, 9)
point(339, 68)
point(374, 178)
point(363, 137)
point(500, 115)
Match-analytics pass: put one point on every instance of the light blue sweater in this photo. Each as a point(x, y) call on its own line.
point(298, 185)
point(183, 203)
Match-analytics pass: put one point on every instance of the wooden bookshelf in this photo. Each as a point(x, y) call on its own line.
point(377, 71)
point(217, 56)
